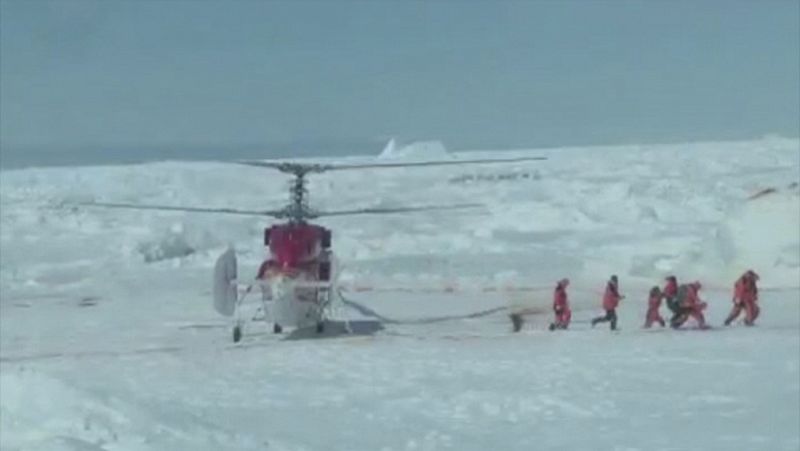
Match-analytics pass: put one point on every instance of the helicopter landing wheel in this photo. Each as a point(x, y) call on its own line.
point(276, 328)
point(320, 327)
point(237, 334)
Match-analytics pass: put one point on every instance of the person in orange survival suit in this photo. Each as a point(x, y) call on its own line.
point(611, 299)
point(653, 304)
point(745, 296)
point(561, 306)
point(690, 306)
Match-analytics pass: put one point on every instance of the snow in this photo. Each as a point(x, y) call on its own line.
point(109, 339)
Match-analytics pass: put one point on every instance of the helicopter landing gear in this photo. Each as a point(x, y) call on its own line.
point(276, 328)
point(320, 327)
point(237, 334)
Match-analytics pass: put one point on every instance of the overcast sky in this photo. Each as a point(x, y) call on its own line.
point(475, 74)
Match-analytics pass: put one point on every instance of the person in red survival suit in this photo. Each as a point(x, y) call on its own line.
point(653, 304)
point(561, 306)
point(690, 305)
point(745, 297)
point(611, 299)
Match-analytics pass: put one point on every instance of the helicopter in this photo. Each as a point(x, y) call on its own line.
point(299, 277)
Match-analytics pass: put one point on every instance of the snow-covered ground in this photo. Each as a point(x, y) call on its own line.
point(108, 340)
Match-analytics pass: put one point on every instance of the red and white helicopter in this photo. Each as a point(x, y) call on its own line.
point(299, 277)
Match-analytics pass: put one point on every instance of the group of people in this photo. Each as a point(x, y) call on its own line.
point(683, 300)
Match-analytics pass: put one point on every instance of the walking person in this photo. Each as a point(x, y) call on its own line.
point(745, 297)
point(563, 314)
point(653, 304)
point(611, 299)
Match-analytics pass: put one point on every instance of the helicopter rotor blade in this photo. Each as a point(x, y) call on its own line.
point(385, 210)
point(286, 166)
point(275, 213)
point(304, 168)
point(337, 167)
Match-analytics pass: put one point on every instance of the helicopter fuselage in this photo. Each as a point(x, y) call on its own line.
point(299, 253)
point(296, 248)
